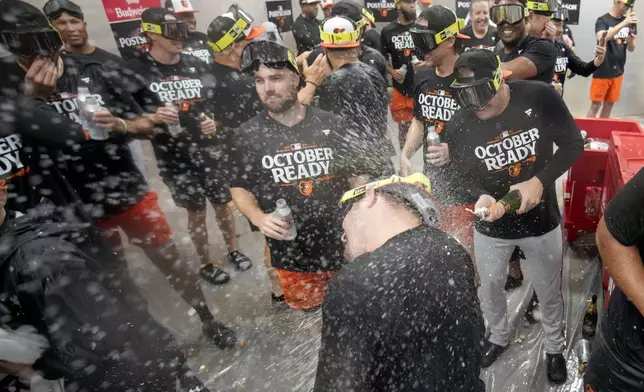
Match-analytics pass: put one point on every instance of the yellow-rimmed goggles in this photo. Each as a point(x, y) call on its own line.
point(508, 13)
point(340, 37)
point(369, 16)
point(426, 40)
point(414, 190)
point(561, 14)
point(233, 35)
point(543, 6)
point(269, 53)
point(171, 29)
point(629, 3)
point(474, 94)
point(45, 42)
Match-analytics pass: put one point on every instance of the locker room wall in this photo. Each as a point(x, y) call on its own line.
point(577, 89)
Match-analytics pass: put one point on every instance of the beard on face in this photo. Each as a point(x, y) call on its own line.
point(408, 15)
point(283, 105)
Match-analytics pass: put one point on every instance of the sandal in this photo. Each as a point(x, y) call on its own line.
point(213, 274)
point(239, 260)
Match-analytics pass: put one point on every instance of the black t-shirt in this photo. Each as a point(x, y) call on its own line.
point(102, 172)
point(358, 94)
point(487, 42)
point(31, 137)
point(189, 85)
point(234, 99)
point(306, 32)
point(541, 52)
point(487, 157)
point(397, 44)
point(372, 39)
point(623, 326)
point(404, 317)
point(435, 104)
point(306, 165)
point(567, 59)
point(368, 55)
point(197, 45)
point(616, 48)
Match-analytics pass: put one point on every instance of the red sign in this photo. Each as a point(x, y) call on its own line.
point(124, 10)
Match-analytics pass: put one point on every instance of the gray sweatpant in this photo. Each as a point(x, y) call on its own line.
point(543, 266)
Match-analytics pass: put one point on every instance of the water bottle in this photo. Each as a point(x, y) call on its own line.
point(433, 138)
point(91, 106)
point(414, 59)
point(174, 129)
point(283, 211)
point(403, 70)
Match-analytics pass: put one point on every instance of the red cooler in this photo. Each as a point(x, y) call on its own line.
point(584, 186)
point(625, 159)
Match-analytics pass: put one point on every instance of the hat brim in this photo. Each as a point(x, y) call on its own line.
point(255, 32)
point(185, 12)
point(506, 73)
point(427, 1)
point(463, 36)
point(345, 46)
point(325, 6)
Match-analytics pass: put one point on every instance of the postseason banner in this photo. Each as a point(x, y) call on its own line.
point(280, 13)
point(573, 7)
point(125, 20)
point(462, 8)
point(382, 10)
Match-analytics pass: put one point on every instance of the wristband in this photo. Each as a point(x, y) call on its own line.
point(123, 124)
point(308, 81)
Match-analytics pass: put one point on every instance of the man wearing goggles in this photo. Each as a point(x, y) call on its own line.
point(504, 142)
point(33, 129)
point(618, 28)
point(396, 255)
point(296, 153)
point(197, 43)
point(371, 37)
point(566, 57)
point(525, 54)
point(437, 40)
point(368, 54)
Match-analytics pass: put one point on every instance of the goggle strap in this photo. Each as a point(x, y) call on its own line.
point(450, 31)
point(414, 179)
point(339, 38)
point(151, 28)
point(231, 36)
point(538, 6)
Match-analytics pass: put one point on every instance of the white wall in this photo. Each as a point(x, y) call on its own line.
point(577, 89)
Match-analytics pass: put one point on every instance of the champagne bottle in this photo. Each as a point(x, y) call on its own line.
point(511, 203)
point(590, 318)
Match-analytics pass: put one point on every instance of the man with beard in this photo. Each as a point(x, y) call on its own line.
point(295, 153)
point(482, 34)
point(404, 314)
point(618, 25)
point(436, 37)
point(306, 28)
point(367, 55)
point(398, 46)
point(197, 43)
point(566, 57)
point(528, 57)
point(504, 142)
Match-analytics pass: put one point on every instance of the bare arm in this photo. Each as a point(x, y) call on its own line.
point(414, 139)
point(624, 263)
point(631, 43)
point(306, 95)
point(247, 204)
point(521, 67)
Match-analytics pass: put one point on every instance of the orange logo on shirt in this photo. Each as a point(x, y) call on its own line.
point(305, 187)
point(589, 388)
point(515, 170)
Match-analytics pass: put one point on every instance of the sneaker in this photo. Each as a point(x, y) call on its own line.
point(277, 300)
point(513, 283)
point(556, 367)
point(219, 334)
point(240, 260)
point(491, 352)
point(213, 274)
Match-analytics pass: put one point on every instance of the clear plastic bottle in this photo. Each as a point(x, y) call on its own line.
point(433, 138)
point(91, 106)
point(174, 129)
point(414, 59)
point(403, 70)
point(283, 211)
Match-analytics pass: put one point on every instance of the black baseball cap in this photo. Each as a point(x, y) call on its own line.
point(438, 19)
point(347, 8)
point(18, 16)
point(155, 15)
point(54, 8)
point(484, 63)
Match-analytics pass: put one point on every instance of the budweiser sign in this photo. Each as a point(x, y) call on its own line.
point(124, 10)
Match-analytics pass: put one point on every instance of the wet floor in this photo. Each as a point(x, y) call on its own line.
point(279, 350)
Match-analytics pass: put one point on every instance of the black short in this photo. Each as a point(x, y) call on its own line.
point(191, 189)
